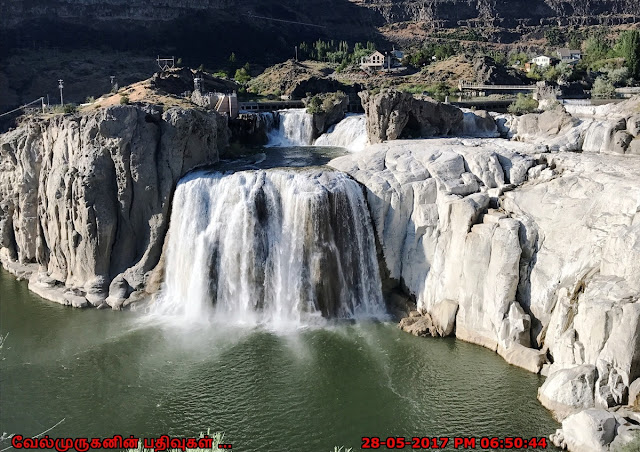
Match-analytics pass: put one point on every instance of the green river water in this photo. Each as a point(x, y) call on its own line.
point(110, 373)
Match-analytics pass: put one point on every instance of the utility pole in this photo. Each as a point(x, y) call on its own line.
point(61, 85)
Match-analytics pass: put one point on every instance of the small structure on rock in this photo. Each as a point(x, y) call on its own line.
point(220, 102)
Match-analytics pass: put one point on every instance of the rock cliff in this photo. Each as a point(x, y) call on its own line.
point(84, 199)
point(363, 13)
point(526, 249)
point(394, 114)
point(607, 129)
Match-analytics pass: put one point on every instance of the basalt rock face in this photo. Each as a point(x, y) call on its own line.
point(394, 114)
point(448, 13)
point(451, 13)
point(333, 109)
point(85, 199)
point(605, 129)
point(531, 250)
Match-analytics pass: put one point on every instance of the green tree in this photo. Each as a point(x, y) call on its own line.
point(315, 105)
point(565, 71)
point(242, 76)
point(551, 74)
point(523, 104)
point(603, 88)
point(596, 48)
point(519, 58)
point(554, 37)
point(628, 47)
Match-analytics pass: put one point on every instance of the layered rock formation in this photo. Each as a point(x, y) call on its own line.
point(607, 129)
point(526, 250)
point(84, 199)
point(448, 13)
point(451, 13)
point(394, 114)
point(328, 109)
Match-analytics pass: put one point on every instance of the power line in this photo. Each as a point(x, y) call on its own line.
point(41, 99)
point(285, 21)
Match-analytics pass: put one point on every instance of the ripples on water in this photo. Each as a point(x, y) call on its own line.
point(305, 390)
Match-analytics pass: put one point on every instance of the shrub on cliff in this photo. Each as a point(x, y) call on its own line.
point(523, 104)
point(603, 88)
point(324, 103)
point(66, 108)
point(124, 99)
point(314, 106)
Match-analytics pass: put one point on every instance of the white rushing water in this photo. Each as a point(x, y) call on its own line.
point(295, 128)
point(350, 133)
point(475, 126)
point(276, 247)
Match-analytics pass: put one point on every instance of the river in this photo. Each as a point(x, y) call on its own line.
point(310, 389)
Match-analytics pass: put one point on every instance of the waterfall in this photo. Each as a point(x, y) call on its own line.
point(276, 247)
point(266, 121)
point(350, 133)
point(295, 128)
point(475, 126)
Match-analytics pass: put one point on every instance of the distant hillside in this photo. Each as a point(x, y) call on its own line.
point(269, 28)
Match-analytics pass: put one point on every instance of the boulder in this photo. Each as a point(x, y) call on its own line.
point(420, 326)
point(590, 430)
point(443, 316)
point(620, 142)
point(633, 125)
point(568, 391)
point(394, 114)
point(634, 394)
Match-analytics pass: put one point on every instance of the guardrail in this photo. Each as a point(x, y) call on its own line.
point(462, 85)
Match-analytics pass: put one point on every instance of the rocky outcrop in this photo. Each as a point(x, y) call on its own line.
point(252, 128)
point(327, 109)
point(534, 252)
point(179, 80)
point(394, 114)
point(607, 129)
point(353, 14)
point(488, 72)
point(85, 198)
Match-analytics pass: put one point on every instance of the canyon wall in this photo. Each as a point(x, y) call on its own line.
point(528, 250)
point(323, 12)
point(85, 198)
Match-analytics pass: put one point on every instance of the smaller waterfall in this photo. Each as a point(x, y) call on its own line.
point(266, 121)
point(350, 133)
point(478, 127)
point(295, 129)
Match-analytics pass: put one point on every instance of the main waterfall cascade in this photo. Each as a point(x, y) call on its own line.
point(271, 247)
point(295, 128)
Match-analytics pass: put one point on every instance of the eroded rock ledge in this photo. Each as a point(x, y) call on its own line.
point(84, 199)
point(529, 253)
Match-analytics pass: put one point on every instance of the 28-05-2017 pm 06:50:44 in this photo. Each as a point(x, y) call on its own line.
point(458, 442)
